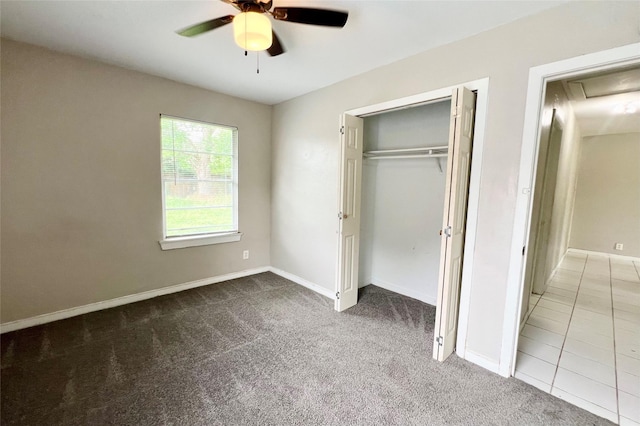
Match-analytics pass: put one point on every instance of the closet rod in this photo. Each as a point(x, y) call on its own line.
point(388, 151)
point(379, 157)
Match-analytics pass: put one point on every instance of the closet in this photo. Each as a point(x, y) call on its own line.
point(402, 199)
point(402, 212)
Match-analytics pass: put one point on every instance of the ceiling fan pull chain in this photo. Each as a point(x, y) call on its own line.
point(257, 62)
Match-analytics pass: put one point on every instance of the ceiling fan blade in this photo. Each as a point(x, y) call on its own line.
point(276, 47)
point(304, 15)
point(203, 27)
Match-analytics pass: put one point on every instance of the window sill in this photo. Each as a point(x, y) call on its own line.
point(199, 240)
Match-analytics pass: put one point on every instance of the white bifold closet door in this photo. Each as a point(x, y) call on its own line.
point(454, 221)
point(349, 213)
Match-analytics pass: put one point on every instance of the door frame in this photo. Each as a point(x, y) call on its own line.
point(538, 78)
point(481, 87)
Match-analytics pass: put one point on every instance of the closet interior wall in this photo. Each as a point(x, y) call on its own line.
point(403, 201)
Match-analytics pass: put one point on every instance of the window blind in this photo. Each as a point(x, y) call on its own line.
point(199, 177)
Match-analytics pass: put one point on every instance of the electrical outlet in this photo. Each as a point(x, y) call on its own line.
point(245, 254)
point(619, 246)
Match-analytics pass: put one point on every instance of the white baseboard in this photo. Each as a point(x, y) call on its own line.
point(599, 253)
point(308, 284)
point(419, 295)
point(364, 282)
point(119, 301)
point(483, 362)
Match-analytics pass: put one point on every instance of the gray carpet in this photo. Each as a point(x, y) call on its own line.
point(259, 350)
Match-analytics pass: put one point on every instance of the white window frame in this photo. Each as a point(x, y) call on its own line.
point(177, 242)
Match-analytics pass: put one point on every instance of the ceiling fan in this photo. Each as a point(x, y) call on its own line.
point(252, 28)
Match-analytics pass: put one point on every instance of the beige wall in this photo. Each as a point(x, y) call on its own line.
point(306, 144)
point(607, 209)
point(81, 193)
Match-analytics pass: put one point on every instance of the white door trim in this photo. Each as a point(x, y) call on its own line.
point(538, 77)
point(481, 87)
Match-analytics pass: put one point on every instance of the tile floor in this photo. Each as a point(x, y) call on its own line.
point(581, 341)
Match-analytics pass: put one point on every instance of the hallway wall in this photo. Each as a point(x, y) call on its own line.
point(607, 209)
point(565, 194)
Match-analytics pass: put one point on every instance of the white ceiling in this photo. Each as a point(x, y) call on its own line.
point(606, 102)
point(140, 35)
point(606, 115)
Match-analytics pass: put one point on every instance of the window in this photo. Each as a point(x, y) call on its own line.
point(199, 183)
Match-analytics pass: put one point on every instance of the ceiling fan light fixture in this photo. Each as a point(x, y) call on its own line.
point(252, 31)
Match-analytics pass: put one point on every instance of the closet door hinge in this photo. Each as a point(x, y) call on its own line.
point(456, 111)
point(342, 130)
point(439, 340)
point(447, 231)
point(337, 295)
